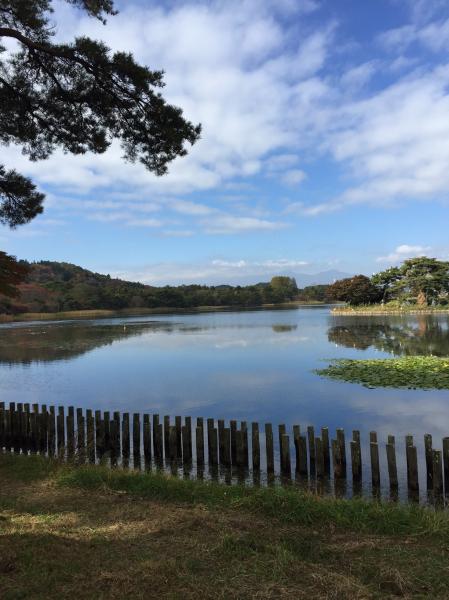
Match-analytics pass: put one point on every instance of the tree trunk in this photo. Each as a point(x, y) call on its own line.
point(421, 299)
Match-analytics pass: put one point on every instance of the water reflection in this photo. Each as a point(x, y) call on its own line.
point(53, 342)
point(421, 335)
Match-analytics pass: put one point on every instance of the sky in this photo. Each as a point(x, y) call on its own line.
point(325, 144)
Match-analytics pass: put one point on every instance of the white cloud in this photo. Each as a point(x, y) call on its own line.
point(190, 208)
point(293, 177)
point(228, 224)
point(271, 97)
point(227, 65)
point(434, 36)
point(396, 143)
point(403, 252)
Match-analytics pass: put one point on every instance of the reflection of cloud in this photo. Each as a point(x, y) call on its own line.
point(418, 412)
point(232, 344)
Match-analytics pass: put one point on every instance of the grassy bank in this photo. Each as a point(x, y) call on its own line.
point(412, 372)
point(136, 312)
point(391, 308)
point(94, 533)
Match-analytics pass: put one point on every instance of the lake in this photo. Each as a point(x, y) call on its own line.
point(246, 365)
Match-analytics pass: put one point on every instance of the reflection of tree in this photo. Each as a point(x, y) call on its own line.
point(424, 335)
point(283, 328)
point(46, 343)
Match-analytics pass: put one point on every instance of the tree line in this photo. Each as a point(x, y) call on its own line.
point(54, 286)
point(420, 281)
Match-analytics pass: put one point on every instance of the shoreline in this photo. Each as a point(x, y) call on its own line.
point(136, 312)
point(388, 311)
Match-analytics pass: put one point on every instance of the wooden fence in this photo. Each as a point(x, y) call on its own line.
point(95, 436)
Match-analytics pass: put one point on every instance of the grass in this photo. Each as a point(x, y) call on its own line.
point(412, 372)
point(389, 308)
point(90, 532)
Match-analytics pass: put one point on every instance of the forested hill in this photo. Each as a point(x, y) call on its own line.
point(57, 286)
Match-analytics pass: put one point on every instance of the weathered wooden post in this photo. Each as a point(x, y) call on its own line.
point(51, 430)
point(113, 442)
point(212, 444)
point(147, 440)
point(356, 457)
point(446, 464)
point(437, 473)
point(199, 439)
point(70, 425)
point(178, 425)
point(391, 461)
point(90, 435)
point(126, 443)
point(188, 425)
point(136, 439)
point(269, 448)
point(337, 460)
point(227, 447)
point(375, 466)
point(326, 451)
point(342, 443)
point(412, 465)
point(240, 449)
point(157, 439)
point(312, 455)
point(99, 435)
point(173, 444)
point(167, 435)
point(429, 460)
point(285, 456)
point(319, 455)
point(255, 446)
point(233, 427)
point(244, 430)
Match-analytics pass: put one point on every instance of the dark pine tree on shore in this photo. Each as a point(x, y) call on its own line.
point(77, 96)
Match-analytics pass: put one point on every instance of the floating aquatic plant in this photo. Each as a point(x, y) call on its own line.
point(412, 372)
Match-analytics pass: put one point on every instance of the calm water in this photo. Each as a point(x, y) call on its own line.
point(252, 365)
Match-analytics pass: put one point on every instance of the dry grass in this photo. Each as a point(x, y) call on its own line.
point(63, 542)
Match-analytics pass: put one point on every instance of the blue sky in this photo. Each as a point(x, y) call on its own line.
point(325, 144)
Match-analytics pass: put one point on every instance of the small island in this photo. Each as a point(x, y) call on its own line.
point(418, 286)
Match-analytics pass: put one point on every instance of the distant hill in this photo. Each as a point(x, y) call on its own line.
point(59, 286)
point(321, 278)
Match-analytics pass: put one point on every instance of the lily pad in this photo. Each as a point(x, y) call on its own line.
point(412, 372)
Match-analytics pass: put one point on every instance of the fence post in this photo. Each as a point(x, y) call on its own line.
point(269, 448)
point(392, 468)
point(375, 467)
point(136, 439)
point(446, 464)
point(255, 446)
point(437, 473)
point(429, 460)
point(412, 465)
point(326, 452)
point(90, 435)
point(285, 456)
point(199, 439)
point(147, 439)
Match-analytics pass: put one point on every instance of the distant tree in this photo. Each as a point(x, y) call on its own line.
point(285, 287)
point(354, 290)
point(77, 96)
point(12, 273)
point(386, 282)
point(425, 277)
